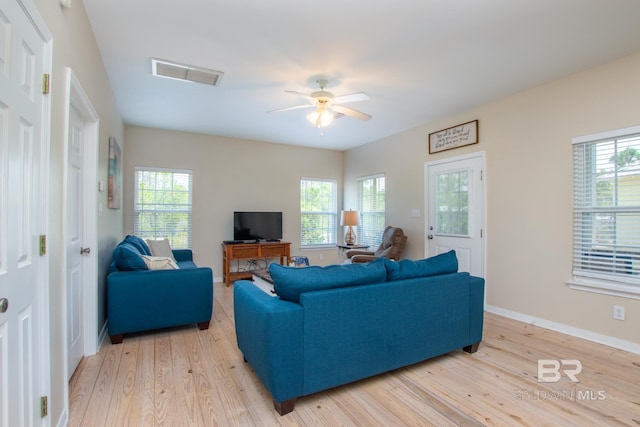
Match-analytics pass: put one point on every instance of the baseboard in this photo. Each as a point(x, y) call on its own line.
point(566, 329)
point(63, 421)
point(103, 334)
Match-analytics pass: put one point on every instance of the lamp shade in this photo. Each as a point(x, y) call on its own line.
point(350, 218)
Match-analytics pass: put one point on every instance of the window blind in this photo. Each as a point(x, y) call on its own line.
point(371, 205)
point(607, 207)
point(318, 212)
point(163, 200)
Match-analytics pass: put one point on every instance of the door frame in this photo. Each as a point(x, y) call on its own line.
point(483, 190)
point(76, 96)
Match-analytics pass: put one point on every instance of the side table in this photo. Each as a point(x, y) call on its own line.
point(342, 251)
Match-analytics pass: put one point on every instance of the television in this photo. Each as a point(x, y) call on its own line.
point(255, 226)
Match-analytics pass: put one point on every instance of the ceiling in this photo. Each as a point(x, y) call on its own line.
point(418, 60)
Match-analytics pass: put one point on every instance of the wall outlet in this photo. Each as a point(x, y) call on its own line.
point(321, 257)
point(618, 312)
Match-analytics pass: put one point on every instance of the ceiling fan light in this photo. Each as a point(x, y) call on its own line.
point(320, 118)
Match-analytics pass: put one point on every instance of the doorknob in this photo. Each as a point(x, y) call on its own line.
point(4, 305)
point(85, 251)
point(430, 237)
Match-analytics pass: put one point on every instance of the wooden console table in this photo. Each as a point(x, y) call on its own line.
point(246, 251)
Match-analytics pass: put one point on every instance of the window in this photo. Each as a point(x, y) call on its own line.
point(318, 212)
point(371, 195)
point(163, 205)
point(606, 228)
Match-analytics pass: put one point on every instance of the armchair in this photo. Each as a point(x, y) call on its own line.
point(392, 246)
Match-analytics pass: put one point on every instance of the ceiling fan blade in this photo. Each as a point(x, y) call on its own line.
point(353, 97)
point(295, 107)
point(351, 112)
point(304, 95)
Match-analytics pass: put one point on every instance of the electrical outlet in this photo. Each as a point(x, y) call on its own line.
point(618, 312)
point(321, 257)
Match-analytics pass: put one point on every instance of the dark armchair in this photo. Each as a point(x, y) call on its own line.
point(392, 246)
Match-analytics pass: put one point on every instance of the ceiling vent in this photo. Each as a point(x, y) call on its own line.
point(173, 70)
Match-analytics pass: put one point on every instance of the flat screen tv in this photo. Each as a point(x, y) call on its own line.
point(253, 226)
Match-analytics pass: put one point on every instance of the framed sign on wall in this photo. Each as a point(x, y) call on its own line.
point(454, 137)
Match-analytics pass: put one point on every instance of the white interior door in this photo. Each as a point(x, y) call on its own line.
point(455, 210)
point(74, 241)
point(24, 57)
point(80, 229)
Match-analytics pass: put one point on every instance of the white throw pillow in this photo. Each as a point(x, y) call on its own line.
point(160, 263)
point(160, 248)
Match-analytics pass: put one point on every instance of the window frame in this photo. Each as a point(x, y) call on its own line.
point(364, 229)
point(155, 233)
point(584, 178)
point(331, 214)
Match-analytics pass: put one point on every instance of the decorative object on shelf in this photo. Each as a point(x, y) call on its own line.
point(115, 174)
point(349, 219)
point(454, 137)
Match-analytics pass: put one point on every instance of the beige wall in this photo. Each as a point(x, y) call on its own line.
point(75, 47)
point(527, 140)
point(231, 175)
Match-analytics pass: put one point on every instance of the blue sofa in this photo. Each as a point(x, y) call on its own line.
point(139, 299)
point(337, 324)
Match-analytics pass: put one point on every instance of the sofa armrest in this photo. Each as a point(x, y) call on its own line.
point(151, 299)
point(476, 308)
point(182, 255)
point(269, 332)
point(353, 252)
point(362, 258)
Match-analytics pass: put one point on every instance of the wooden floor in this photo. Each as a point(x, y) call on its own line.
point(187, 377)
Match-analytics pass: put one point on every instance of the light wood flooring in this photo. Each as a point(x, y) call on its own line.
point(187, 377)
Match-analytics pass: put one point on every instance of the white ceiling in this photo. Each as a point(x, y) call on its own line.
point(418, 60)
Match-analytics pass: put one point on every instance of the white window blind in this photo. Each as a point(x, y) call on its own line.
point(318, 212)
point(371, 205)
point(163, 201)
point(607, 206)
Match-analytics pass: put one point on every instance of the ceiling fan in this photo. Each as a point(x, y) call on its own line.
point(328, 107)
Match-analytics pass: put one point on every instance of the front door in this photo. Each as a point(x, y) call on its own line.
point(455, 210)
point(25, 53)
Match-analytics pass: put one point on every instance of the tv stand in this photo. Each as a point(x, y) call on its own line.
point(246, 251)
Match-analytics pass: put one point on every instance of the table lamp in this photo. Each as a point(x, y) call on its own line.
point(349, 219)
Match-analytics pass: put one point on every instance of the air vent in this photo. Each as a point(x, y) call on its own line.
point(173, 70)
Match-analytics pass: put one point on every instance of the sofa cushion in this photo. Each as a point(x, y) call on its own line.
point(290, 282)
point(159, 262)
point(408, 269)
point(128, 257)
point(160, 247)
point(138, 243)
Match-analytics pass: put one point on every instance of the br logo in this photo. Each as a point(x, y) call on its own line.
point(549, 370)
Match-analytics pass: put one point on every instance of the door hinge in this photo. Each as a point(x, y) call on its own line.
point(45, 83)
point(44, 406)
point(43, 244)
point(481, 233)
point(481, 175)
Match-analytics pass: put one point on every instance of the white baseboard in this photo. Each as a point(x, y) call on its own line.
point(566, 329)
point(63, 421)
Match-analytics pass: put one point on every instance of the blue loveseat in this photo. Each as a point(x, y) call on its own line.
point(337, 324)
point(139, 299)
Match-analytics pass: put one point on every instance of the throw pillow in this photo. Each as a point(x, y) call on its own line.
point(138, 243)
point(159, 263)
point(290, 282)
point(160, 248)
point(128, 258)
point(408, 269)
